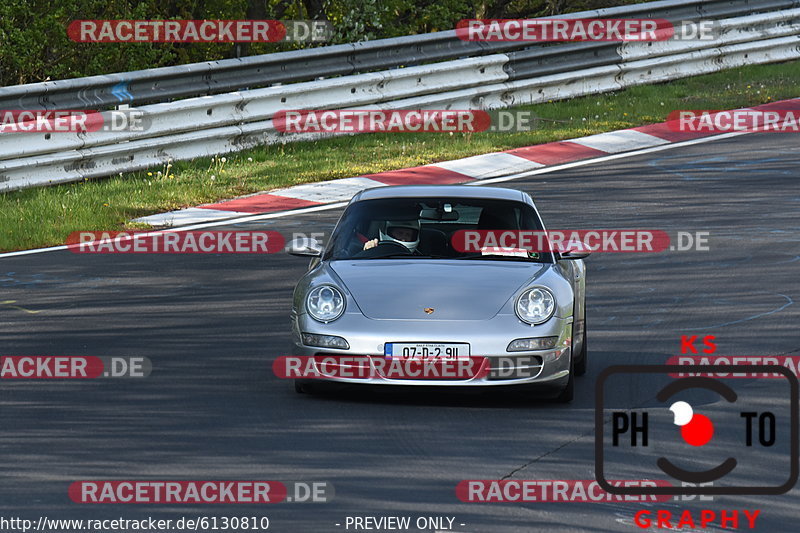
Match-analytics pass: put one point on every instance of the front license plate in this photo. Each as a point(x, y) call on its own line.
point(424, 351)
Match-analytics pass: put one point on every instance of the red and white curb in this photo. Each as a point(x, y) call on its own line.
point(468, 169)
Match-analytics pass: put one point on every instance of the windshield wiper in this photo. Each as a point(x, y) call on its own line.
point(389, 256)
point(500, 257)
point(395, 256)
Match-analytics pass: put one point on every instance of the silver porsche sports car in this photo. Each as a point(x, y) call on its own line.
point(393, 286)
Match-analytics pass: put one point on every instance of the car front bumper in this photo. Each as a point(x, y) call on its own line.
point(487, 339)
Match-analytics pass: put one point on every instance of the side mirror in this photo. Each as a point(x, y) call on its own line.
point(305, 246)
point(576, 251)
point(575, 254)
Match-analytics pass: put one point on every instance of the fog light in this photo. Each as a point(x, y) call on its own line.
point(534, 343)
point(324, 341)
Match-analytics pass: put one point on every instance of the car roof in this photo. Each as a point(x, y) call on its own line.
point(429, 191)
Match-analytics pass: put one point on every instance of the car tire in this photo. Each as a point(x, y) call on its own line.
point(568, 393)
point(300, 387)
point(582, 361)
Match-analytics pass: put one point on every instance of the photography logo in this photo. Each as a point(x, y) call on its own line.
point(698, 431)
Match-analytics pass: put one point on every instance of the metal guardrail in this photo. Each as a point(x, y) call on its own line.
point(216, 77)
point(209, 125)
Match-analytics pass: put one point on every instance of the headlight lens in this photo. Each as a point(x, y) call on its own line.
point(536, 305)
point(325, 303)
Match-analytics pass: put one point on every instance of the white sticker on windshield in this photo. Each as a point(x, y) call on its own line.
point(511, 252)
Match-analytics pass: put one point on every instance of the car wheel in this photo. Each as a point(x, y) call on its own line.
point(583, 358)
point(568, 393)
point(301, 387)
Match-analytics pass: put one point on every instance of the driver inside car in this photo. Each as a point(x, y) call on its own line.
point(403, 232)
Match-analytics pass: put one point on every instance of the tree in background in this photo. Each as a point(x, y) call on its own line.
point(34, 45)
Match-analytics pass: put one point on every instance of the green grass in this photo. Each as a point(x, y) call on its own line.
point(45, 216)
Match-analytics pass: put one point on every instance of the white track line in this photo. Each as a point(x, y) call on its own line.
point(188, 216)
point(612, 157)
point(613, 142)
point(490, 165)
point(326, 191)
point(337, 205)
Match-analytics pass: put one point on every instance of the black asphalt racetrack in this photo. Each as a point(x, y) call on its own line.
point(213, 410)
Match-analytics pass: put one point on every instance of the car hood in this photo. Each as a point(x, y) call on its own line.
point(397, 289)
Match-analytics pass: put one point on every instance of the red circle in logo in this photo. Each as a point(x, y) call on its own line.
point(698, 431)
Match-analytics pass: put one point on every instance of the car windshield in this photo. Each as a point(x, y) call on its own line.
point(422, 228)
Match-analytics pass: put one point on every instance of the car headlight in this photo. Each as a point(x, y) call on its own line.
point(536, 305)
point(325, 303)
